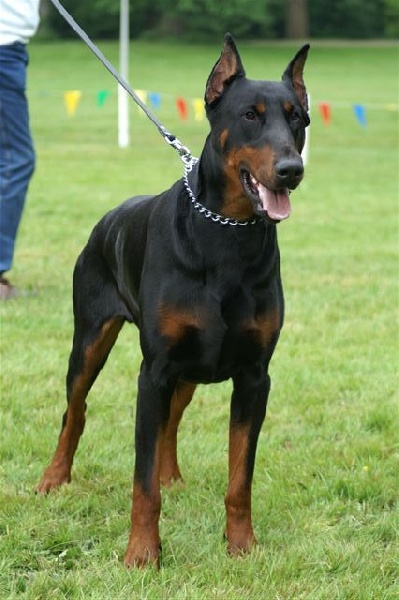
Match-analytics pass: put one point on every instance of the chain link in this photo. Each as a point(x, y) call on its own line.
point(208, 214)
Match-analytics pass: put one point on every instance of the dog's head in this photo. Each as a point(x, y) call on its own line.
point(258, 131)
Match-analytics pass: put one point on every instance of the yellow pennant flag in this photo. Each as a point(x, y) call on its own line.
point(199, 109)
point(72, 99)
point(142, 94)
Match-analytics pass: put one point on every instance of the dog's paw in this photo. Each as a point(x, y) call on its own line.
point(140, 555)
point(239, 544)
point(52, 479)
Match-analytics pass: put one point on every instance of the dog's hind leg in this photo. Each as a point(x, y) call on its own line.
point(95, 334)
point(169, 468)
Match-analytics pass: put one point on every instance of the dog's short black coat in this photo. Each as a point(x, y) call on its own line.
point(203, 288)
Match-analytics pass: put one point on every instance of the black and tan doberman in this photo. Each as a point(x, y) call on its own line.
point(196, 268)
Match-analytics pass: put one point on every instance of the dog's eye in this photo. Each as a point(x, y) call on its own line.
point(250, 115)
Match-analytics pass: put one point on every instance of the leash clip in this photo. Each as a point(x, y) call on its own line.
point(184, 153)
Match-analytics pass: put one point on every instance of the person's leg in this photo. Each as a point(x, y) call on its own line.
point(17, 157)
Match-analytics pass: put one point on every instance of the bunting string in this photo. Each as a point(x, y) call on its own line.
point(187, 108)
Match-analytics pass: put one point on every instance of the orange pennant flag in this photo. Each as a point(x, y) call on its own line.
point(325, 110)
point(181, 107)
point(72, 99)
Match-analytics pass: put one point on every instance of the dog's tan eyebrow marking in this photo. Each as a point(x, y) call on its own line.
point(260, 108)
point(288, 106)
point(223, 137)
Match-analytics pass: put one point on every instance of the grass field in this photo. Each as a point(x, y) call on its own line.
point(326, 479)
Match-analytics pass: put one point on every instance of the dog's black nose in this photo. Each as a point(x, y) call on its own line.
point(289, 171)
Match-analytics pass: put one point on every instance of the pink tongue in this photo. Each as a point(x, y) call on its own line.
point(275, 203)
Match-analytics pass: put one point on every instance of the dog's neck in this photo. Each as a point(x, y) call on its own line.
point(205, 184)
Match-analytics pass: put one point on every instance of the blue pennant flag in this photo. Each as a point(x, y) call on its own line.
point(360, 114)
point(155, 99)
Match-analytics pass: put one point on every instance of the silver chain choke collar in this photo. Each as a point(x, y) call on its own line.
point(208, 214)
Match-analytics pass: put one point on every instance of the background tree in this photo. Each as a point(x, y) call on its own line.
point(201, 20)
point(297, 19)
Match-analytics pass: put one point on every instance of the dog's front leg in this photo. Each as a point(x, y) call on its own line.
point(153, 406)
point(248, 409)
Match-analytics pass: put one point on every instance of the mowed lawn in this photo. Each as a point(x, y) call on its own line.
point(326, 478)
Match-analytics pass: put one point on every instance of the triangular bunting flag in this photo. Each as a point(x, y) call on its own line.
point(199, 109)
point(102, 95)
point(142, 94)
point(72, 99)
point(325, 111)
point(155, 99)
point(181, 108)
point(360, 114)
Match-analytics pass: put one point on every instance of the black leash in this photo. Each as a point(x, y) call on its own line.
point(184, 153)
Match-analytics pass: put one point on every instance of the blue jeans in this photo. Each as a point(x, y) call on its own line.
point(17, 155)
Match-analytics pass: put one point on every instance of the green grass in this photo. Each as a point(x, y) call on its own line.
point(325, 488)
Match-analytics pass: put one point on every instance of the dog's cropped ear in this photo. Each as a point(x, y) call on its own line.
point(293, 75)
point(227, 68)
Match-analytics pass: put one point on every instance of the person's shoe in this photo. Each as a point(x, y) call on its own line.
point(7, 291)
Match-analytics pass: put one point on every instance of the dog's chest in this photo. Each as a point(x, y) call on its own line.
point(214, 334)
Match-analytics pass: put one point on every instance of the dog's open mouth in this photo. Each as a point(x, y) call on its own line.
point(275, 203)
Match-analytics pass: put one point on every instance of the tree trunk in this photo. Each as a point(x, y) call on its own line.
point(297, 19)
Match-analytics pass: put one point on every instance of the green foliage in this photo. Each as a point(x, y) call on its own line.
point(325, 487)
point(205, 19)
point(347, 18)
point(100, 18)
point(391, 18)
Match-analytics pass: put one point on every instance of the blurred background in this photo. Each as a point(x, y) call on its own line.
point(201, 20)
